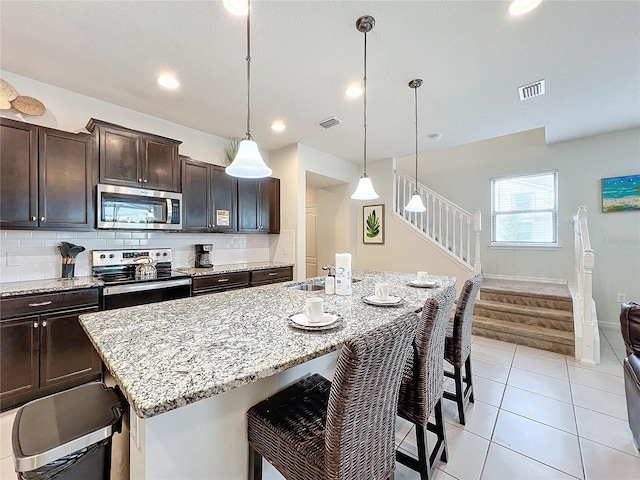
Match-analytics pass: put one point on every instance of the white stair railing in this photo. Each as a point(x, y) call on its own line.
point(445, 223)
point(584, 312)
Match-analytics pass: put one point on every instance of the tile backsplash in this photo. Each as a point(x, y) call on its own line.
point(38, 257)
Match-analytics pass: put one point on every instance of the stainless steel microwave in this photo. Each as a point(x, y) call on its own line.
point(138, 208)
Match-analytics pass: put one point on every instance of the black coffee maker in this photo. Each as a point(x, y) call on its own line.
point(204, 255)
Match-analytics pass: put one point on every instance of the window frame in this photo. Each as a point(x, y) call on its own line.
point(554, 213)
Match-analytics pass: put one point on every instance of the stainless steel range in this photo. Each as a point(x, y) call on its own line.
point(125, 286)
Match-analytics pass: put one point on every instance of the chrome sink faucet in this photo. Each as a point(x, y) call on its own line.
point(329, 268)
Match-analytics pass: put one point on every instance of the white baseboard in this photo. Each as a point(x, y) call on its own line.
point(558, 281)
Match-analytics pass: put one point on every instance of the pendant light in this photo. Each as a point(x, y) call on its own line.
point(365, 190)
point(248, 162)
point(415, 204)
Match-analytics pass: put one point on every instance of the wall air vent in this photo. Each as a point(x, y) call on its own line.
point(330, 122)
point(532, 90)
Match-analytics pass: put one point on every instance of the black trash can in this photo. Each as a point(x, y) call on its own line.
point(67, 436)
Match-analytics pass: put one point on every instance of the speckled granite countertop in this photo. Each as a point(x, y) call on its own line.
point(167, 355)
point(236, 267)
point(9, 289)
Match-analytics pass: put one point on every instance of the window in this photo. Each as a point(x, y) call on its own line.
point(524, 210)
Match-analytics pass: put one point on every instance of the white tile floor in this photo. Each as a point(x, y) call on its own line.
point(537, 415)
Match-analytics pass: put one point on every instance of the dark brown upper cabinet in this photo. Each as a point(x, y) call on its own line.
point(136, 159)
point(208, 198)
point(46, 178)
point(259, 205)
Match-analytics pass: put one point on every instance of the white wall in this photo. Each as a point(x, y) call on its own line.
point(291, 164)
point(404, 250)
point(463, 175)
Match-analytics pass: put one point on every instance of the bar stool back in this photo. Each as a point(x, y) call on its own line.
point(457, 346)
point(345, 429)
point(421, 387)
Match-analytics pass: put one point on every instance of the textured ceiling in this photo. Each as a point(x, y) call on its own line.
point(471, 55)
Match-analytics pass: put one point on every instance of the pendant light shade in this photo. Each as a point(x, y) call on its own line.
point(248, 162)
point(365, 190)
point(415, 204)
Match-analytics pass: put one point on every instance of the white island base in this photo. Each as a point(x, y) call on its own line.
point(208, 439)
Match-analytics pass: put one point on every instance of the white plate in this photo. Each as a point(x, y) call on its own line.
point(415, 283)
point(391, 301)
point(301, 320)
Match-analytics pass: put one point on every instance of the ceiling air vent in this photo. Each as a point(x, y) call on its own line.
point(532, 90)
point(330, 122)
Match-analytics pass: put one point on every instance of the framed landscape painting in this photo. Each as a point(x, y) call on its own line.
point(621, 193)
point(373, 224)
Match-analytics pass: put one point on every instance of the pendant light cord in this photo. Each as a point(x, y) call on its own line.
point(415, 91)
point(365, 104)
point(249, 70)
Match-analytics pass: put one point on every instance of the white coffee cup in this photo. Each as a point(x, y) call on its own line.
point(423, 277)
point(382, 291)
point(314, 309)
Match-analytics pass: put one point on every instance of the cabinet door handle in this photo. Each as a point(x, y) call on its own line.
point(34, 218)
point(145, 181)
point(41, 304)
point(35, 324)
point(44, 324)
point(223, 280)
point(139, 180)
point(42, 219)
point(272, 274)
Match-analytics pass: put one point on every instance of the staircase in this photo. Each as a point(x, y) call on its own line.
point(545, 316)
point(534, 314)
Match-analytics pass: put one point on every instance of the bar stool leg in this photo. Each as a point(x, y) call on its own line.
point(467, 365)
point(423, 453)
point(459, 393)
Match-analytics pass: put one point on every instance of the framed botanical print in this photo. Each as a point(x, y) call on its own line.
point(373, 224)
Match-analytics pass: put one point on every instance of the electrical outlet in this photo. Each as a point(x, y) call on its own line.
point(621, 298)
point(13, 260)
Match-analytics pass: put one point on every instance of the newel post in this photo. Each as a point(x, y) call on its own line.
point(477, 228)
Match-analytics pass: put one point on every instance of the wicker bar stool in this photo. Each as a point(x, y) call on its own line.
point(457, 346)
point(345, 429)
point(421, 387)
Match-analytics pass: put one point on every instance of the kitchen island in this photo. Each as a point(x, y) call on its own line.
point(191, 368)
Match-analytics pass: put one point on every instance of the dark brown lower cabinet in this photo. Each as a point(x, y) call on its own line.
point(271, 275)
point(45, 351)
point(220, 282)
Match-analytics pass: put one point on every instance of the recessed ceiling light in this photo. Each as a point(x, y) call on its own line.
point(354, 91)
point(520, 7)
point(278, 126)
point(168, 81)
point(237, 7)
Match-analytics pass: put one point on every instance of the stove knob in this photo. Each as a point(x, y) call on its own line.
point(111, 255)
point(164, 254)
point(158, 254)
point(103, 256)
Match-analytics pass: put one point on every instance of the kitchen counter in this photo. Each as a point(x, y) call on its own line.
point(168, 355)
point(9, 289)
point(234, 267)
point(191, 368)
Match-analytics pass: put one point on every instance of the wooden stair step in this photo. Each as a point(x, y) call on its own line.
point(525, 310)
point(523, 334)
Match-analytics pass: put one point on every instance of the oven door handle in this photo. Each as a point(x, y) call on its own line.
point(141, 287)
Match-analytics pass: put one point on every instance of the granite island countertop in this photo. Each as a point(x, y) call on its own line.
point(229, 268)
point(51, 285)
point(170, 354)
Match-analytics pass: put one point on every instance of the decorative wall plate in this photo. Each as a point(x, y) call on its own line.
point(28, 105)
point(7, 92)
